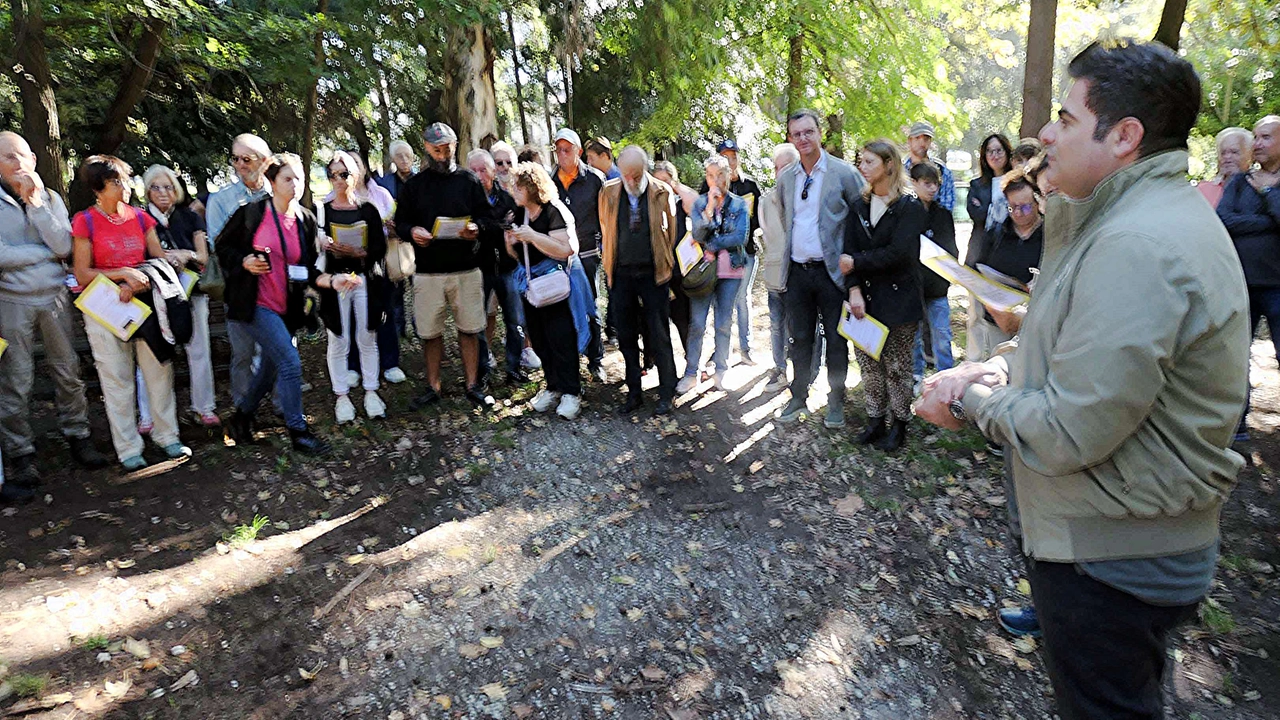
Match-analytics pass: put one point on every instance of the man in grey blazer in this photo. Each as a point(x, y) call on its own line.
point(817, 195)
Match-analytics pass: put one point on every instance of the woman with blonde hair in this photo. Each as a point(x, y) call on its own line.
point(880, 263)
point(1235, 155)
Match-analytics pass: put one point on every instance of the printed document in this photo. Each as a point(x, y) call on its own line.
point(101, 302)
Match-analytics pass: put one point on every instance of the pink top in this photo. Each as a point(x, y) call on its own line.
point(118, 244)
point(1211, 190)
point(273, 287)
point(725, 268)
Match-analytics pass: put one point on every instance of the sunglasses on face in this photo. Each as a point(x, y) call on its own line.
point(502, 163)
point(246, 159)
point(340, 174)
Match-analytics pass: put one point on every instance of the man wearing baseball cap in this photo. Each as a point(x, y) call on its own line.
point(919, 141)
point(448, 266)
point(579, 186)
point(600, 157)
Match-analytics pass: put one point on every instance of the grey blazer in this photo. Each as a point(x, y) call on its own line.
point(841, 185)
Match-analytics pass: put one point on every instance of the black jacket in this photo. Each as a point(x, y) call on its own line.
point(978, 205)
point(494, 241)
point(236, 241)
point(1253, 220)
point(1008, 254)
point(583, 200)
point(374, 271)
point(886, 260)
point(941, 229)
point(430, 195)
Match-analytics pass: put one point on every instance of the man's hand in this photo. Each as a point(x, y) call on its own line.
point(846, 264)
point(1260, 179)
point(857, 305)
point(422, 237)
point(933, 407)
point(30, 188)
point(1009, 322)
point(952, 383)
point(470, 232)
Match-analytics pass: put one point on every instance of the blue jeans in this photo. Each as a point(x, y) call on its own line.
point(512, 305)
point(938, 311)
point(723, 297)
point(280, 367)
point(742, 306)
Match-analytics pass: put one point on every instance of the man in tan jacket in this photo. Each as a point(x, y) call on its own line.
point(1118, 407)
point(638, 234)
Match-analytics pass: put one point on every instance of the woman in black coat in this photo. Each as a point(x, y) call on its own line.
point(268, 255)
point(881, 262)
point(995, 159)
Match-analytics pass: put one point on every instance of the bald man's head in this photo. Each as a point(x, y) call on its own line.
point(1266, 143)
point(16, 159)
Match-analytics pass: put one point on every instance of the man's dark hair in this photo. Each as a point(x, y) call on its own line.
point(98, 170)
point(1141, 80)
point(599, 148)
point(927, 172)
point(530, 153)
point(804, 113)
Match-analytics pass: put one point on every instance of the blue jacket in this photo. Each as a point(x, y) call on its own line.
point(730, 234)
point(581, 301)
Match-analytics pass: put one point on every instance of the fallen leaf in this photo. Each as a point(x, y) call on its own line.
point(634, 614)
point(522, 711)
point(443, 701)
point(588, 612)
point(494, 690)
point(608, 704)
point(491, 641)
point(622, 580)
point(137, 648)
point(791, 677)
point(1024, 644)
point(118, 689)
point(471, 651)
point(310, 675)
point(972, 611)
point(849, 505)
point(1024, 587)
point(191, 679)
point(653, 674)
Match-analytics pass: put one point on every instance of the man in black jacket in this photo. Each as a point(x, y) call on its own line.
point(1250, 210)
point(448, 265)
point(498, 267)
point(579, 185)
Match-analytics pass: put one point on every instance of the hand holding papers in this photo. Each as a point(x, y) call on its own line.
point(989, 293)
point(101, 302)
point(353, 236)
point(688, 252)
point(446, 228)
point(867, 334)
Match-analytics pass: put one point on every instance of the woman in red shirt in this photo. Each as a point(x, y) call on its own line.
point(111, 239)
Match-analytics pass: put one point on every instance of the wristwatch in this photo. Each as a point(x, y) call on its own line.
point(957, 410)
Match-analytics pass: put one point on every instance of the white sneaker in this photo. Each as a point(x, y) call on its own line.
point(686, 384)
point(343, 410)
point(543, 401)
point(718, 379)
point(569, 408)
point(353, 379)
point(530, 359)
point(394, 376)
point(373, 405)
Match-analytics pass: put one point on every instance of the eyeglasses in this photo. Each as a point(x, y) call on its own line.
point(161, 188)
point(995, 151)
point(1023, 209)
point(246, 159)
point(341, 174)
point(804, 191)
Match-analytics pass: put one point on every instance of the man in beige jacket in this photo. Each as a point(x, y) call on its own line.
point(1118, 406)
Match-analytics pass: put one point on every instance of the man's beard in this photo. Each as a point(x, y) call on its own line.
point(440, 166)
point(633, 189)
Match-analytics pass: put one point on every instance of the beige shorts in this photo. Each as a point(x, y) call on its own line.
point(464, 291)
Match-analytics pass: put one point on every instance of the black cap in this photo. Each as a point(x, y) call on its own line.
point(727, 144)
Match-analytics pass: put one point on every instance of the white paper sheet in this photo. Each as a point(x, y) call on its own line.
point(189, 279)
point(868, 334)
point(446, 228)
point(688, 253)
point(991, 294)
point(355, 235)
point(101, 302)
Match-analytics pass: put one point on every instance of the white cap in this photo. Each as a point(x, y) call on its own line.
point(568, 135)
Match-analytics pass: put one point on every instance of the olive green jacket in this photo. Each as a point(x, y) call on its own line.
point(1130, 373)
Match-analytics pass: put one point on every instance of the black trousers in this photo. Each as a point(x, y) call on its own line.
point(595, 346)
point(810, 297)
point(681, 311)
point(641, 306)
point(554, 338)
point(1106, 649)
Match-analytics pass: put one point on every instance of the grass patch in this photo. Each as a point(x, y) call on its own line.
point(1217, 618)
point(879, 503)
point(26, 685)
point(244, 534)
point(922, 489)
point(967, 440)
point(282, 463)
point(504, 441)
point(1237, 563)
point(479, 470)
point(94, 643)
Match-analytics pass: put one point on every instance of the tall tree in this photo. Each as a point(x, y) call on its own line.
point(31, 74)
point(515, 70)
point(470, 101)
point(1171, 20)
point(307, 151)
point(1037, 83)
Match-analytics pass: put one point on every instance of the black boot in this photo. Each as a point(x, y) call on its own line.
point(84, 452)
point(896, 436)
point(240, 428)
point(305, 442)
point(873, 431)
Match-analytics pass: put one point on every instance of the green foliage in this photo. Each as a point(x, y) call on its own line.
point(26, 685)
point(242, 535)
point(94, 643)
point(1217, 618)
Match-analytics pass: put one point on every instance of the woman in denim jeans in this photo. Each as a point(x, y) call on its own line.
point(268, 254)
point(721, 222)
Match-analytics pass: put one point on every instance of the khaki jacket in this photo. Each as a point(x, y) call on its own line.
point(1130, 373)
point(773, 255)
point(662, 226)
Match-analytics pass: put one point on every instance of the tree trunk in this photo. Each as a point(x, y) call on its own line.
point(1171, 19)
point(384, 120)
point(795, 72)
point(470, 102)
point(515, 67)
point(35, 85)
point(566, 77)
point(115, 126)
point(835, 134)
point(546, 104)
point(1037, 83)
point(360, 131)
point(313, 101)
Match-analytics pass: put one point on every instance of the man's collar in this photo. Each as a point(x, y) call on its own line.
point(821, 165)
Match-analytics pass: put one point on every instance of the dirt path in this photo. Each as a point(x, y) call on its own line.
point(447, 565)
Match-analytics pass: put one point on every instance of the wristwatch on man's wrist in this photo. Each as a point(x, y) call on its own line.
point(957, 410)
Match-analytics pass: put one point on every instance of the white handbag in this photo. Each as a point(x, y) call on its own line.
point(402, 263)
point(548, 289)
